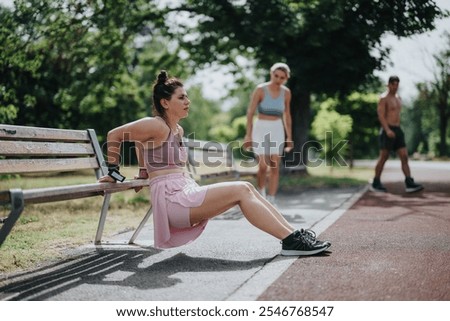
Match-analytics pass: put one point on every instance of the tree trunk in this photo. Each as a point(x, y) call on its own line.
point(301, 114)
point(443, 119)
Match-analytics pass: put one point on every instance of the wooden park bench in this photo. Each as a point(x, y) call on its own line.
point(209, 160)
point(37, 150)
point(40, 150)
point(215, 160)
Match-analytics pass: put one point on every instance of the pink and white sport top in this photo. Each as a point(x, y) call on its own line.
point(169, 155)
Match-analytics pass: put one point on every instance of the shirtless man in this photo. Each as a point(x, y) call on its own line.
point(392, 137)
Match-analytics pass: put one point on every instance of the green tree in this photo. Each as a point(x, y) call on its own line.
point(331, 46)
point(441, 91)
point(331, 129)
point(229, 131)
point(74, 66)
point(150, 56)
point(16, 67)
point(414, 136)
point(362, 108)
point(431, 108)
point(202, 115)
point(428, 119)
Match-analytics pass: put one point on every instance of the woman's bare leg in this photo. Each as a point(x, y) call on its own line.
point(274, 211)
point(222, 196)
point(274, 174)
point(262, 172)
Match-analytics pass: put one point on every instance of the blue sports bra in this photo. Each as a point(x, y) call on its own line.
point(272, 106)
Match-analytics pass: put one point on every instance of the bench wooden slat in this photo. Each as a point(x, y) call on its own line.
point(229, 173)
point(205, 145)
point(26, 149)
point(10, 166)
point(62, 193)
point(216, 159)
point(11, 132)
point(22, 148)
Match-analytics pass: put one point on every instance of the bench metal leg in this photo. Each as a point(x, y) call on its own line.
point(101, 222)
point(17, 205)
point(141, 225)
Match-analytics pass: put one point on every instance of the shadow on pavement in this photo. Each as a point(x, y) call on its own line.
point(101, 267)
point(432, 202)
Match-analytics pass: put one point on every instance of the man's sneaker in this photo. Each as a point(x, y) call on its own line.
point(377, 186)
point(303, 242)
point(411, 187)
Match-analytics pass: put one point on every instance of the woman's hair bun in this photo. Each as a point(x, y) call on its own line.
point(162, 77)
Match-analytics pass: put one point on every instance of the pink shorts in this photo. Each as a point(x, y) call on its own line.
point(173, 196)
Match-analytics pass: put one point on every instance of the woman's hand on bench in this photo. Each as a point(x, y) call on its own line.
point(141, 175)
point(106, 179)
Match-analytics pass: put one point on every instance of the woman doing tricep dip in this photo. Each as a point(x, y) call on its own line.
point(182, 208)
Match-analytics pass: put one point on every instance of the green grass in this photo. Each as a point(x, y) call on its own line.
point(325, 177)
point(344, 175)
point(45, 232)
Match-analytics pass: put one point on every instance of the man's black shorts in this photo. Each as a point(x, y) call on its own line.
point(392, 144)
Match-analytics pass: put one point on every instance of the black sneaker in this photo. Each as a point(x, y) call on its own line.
point(303, 242)
point(377, 186)
point(411, 187)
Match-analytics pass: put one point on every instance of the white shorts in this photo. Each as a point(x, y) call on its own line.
point(268, 137)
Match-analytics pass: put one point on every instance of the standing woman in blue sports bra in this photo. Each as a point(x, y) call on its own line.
point(272, 129)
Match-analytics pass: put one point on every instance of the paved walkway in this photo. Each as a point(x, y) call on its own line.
point(392, 246)
point(232, 260)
